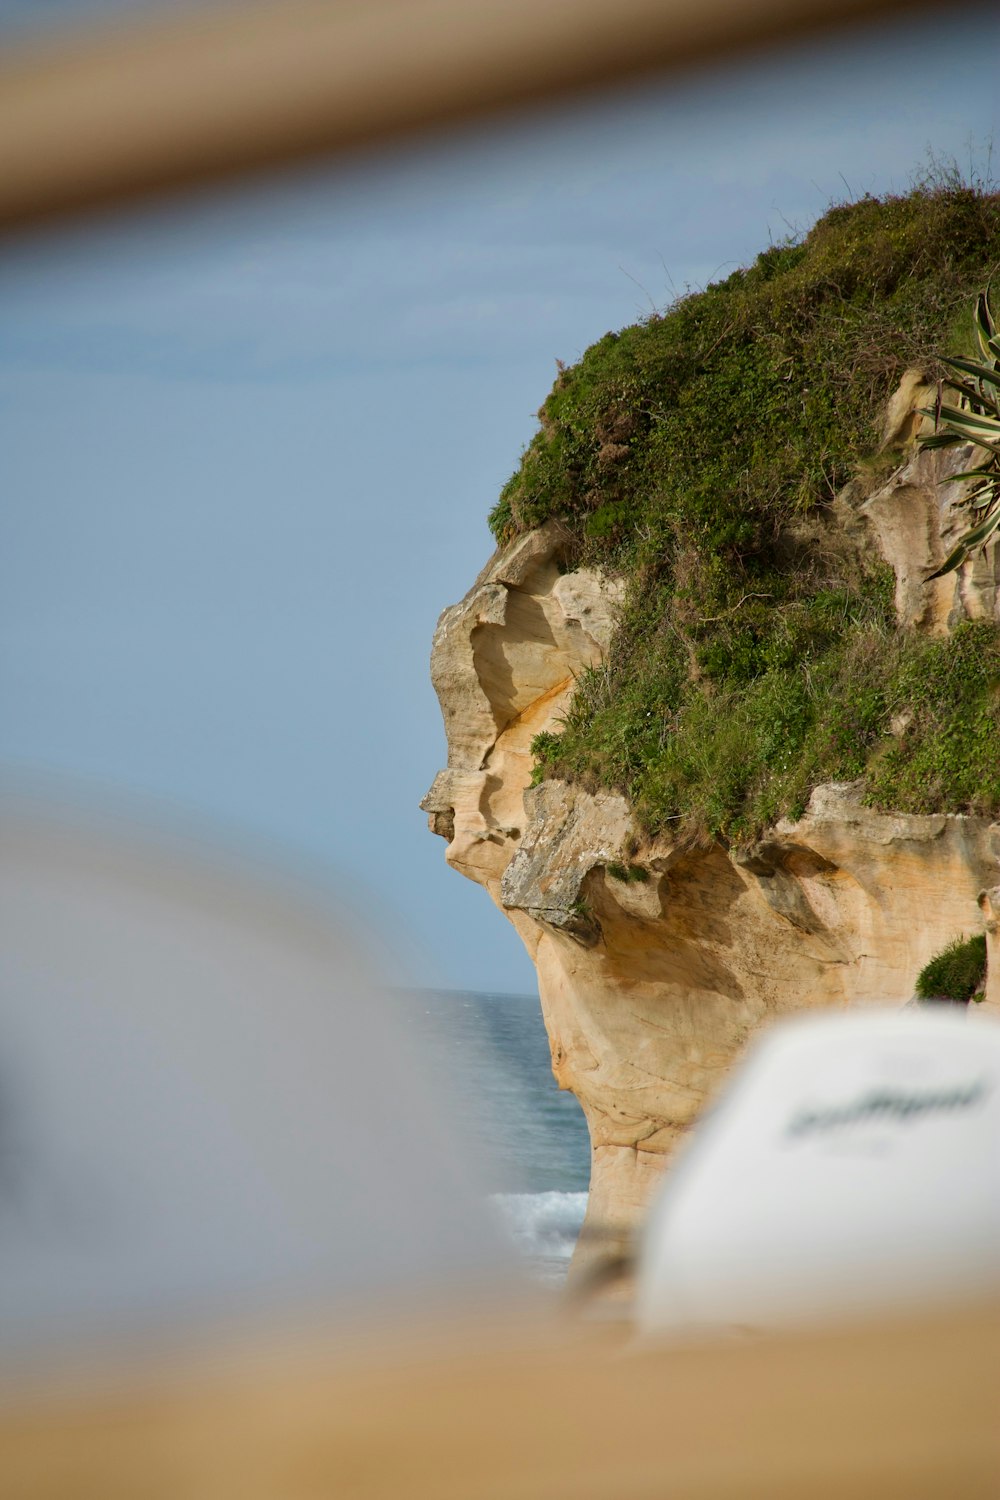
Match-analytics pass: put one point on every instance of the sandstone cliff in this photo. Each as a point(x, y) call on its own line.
point(657, 961)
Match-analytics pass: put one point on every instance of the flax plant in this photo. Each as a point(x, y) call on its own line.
point(975, 419)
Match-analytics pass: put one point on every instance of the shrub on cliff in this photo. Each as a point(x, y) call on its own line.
point(956, 973)
point(698, 454)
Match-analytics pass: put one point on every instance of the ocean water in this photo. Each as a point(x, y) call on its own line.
point(528, 1138)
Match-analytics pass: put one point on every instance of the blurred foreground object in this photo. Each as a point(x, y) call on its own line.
point(852, 1168)
point(207, 1112)
point(211, 1124)
point(224, 89)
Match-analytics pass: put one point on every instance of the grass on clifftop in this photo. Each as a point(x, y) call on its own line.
point(698, 453)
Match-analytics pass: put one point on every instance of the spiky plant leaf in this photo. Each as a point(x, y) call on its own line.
point(977, 421)
point(979, 497)
point(984, 325)
point(954, 560)
point(982, 533)
point(977, 397)
point(982, 473)
point(948, 439)
point(960, 418)
point(988, 373)
point(938, 439)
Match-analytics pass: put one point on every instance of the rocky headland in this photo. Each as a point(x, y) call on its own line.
point(660, 950)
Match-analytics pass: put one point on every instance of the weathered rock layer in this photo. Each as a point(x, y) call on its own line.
point(656, 963)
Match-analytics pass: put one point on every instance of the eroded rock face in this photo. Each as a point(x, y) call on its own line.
point(656, 963)
point(989, 902)
point(916, 520)
point(504, 664)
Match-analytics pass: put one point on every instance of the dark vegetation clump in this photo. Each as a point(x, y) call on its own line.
point(630, 874)
point(956, 973)
point(698, 454)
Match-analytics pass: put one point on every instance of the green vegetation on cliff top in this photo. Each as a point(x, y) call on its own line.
point(697, 454)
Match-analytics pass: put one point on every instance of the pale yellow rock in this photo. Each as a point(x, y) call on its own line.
point(917, 517)
point(989, 902)
point(504, 665)
point(650, 989)
point(903, 417)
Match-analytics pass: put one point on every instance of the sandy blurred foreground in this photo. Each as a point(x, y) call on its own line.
point(906, 1411)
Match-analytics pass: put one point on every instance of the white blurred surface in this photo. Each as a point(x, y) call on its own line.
point(205, 1107)
point(851, 1168)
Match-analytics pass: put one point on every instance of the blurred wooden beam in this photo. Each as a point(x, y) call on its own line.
point(111, 114)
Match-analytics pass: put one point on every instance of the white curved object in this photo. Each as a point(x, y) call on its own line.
point(852, 1167)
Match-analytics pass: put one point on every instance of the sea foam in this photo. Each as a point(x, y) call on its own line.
point(544, 1226)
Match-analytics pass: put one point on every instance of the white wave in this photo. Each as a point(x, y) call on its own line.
point(544, 1226)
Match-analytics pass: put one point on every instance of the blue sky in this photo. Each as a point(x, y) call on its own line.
point(249, 443)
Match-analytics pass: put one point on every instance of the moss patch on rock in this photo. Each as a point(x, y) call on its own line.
point(698, 454)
